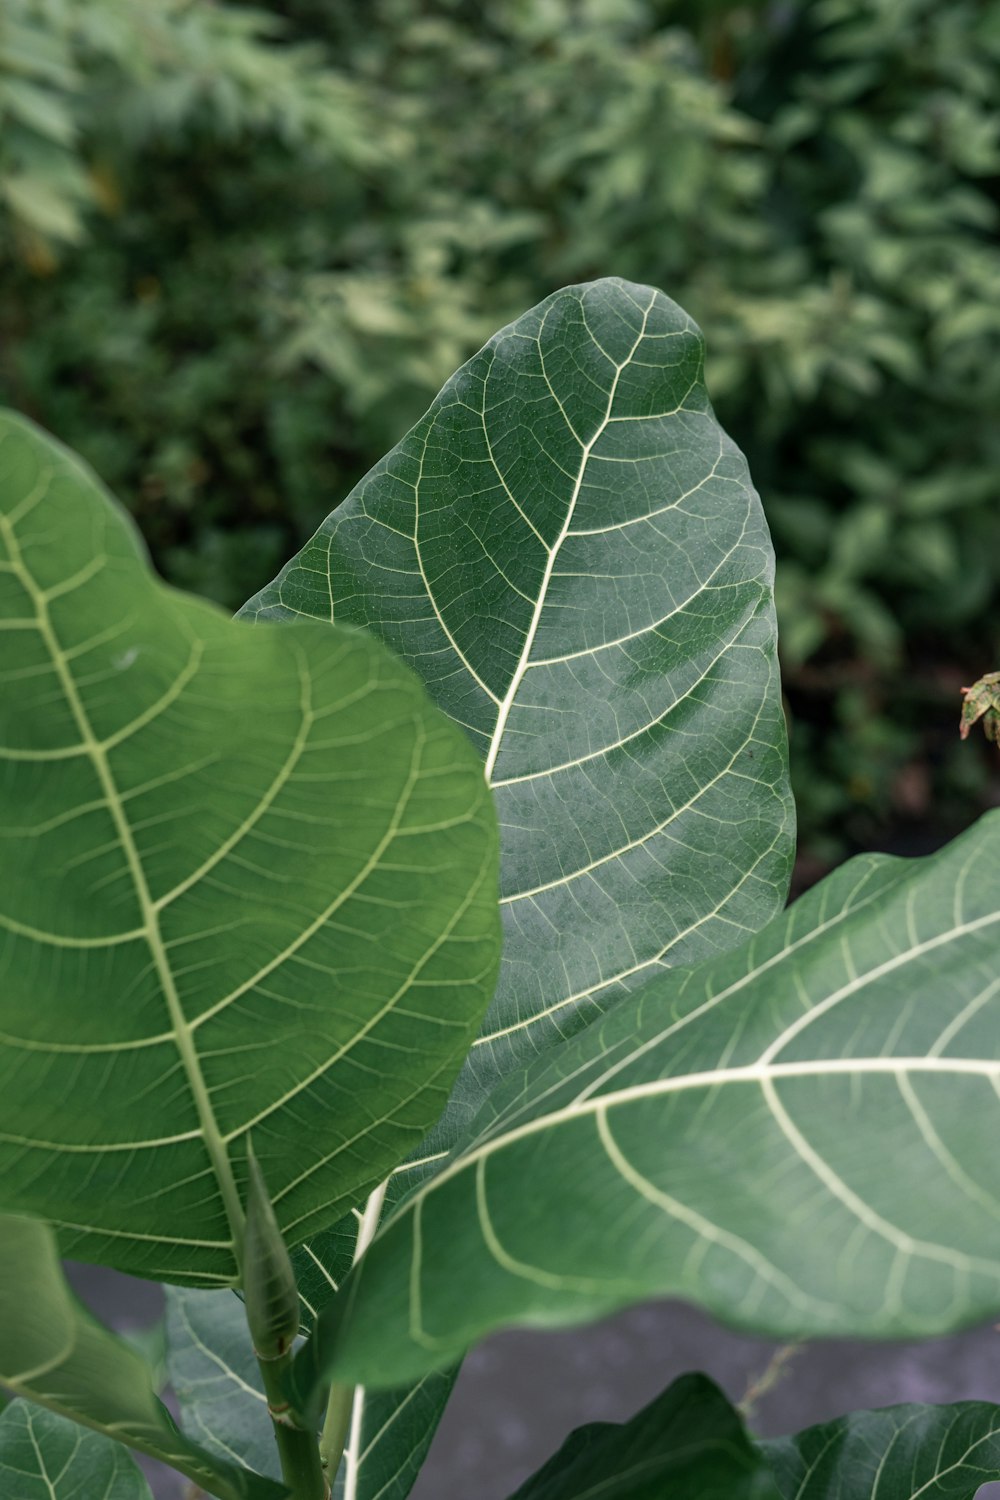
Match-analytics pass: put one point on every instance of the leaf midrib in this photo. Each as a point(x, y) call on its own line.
point(182, 1034)
point(764, 1071)
point(517, 676)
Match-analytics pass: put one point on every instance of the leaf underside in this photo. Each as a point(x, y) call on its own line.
point(52, 1351)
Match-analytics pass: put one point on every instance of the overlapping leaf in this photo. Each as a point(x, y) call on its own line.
point(53, 1352)
point(899, 1453)
point(749, 1134)
point(569, 551)
point(688, 1443)
point(45, 1457)
point(249, 882)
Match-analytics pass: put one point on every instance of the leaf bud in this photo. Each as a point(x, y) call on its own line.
point(269, 1289)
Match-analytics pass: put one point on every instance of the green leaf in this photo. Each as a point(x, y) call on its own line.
point(901, 1453)
point(214, 1374)
point(389, 1438)
point(44, 1457)
point(568, 549)
point(748, 1134)
point(55, 1353)
point(688, 1442)
point(256, 890)
point(215, 1377)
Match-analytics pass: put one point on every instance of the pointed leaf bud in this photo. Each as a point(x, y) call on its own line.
point(269, 1290)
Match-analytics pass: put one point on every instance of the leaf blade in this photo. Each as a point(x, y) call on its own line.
point(569, 514)
point(688, 1441)
point(900, 1453)
point(712, 1138)
point(54, 1353)
point(49, 1458)
point(277, 903)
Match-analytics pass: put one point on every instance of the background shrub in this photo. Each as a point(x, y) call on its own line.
point(243, 248)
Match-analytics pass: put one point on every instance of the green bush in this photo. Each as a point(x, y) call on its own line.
point(231, 288)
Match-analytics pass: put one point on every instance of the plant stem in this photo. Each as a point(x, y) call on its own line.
point(340, 1402)
point(298, 1448)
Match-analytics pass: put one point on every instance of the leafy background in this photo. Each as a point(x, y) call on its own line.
point(242, 248)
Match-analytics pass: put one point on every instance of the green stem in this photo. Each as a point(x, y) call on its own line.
point(298, 1448)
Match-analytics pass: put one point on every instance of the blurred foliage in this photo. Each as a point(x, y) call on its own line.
point(241, 248)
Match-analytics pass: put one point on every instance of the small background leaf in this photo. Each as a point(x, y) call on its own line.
point(214, 1375)
point(688, 1443)
point(900, 1453)
point(46, 1457)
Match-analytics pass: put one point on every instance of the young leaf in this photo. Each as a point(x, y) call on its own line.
point(256, 889)
point(746, 1134)
point(900, 1453)
point(568, 549)
point(689, 1442)
point(53, 1352)
point(44, 1457)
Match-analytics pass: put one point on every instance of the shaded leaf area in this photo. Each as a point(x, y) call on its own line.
point(900, 1453)
point(569, 551)
point(214, 1374)
point(215, 1377)
point(56, 1354)
point(746, 1135)
point(390, 1435)
point(45, 1457)
point(265, 851)
point(688, 1442)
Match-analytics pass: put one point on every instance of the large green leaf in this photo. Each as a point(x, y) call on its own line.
point(568, 549)
point(900, 1453)
point(688, 1443)
point(53, 1352)
point(250, 883)
point(800, 1135)
point(44, 1457)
